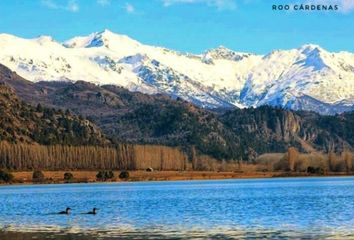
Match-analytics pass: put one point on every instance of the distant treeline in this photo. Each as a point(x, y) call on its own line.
point(23, 156)
point(59, 157)
point(314, 162)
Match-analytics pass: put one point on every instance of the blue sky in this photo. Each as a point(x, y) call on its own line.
point(186, 25)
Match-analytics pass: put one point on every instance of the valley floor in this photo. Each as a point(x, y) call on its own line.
point(25, 177)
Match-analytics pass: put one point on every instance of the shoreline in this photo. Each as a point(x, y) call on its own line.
point(89, 176)
point(235, 232)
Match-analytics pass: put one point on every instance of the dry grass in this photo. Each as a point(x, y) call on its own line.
point(90, 176)
point(269, 161)
point(300, 162)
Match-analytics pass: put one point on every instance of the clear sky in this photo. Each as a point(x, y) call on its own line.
point(186, 25)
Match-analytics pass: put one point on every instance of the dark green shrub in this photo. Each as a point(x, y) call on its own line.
point(38, 176)
point(6, 176)
point(68, 177)
point(100, 175)
point(313, 170)
point(124, 175)
point(104, 175)
point(109, 174)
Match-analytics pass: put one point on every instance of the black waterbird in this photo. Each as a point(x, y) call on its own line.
point(67, 211)
point(93, 212)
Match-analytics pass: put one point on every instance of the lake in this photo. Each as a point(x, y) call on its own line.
point(277, 208)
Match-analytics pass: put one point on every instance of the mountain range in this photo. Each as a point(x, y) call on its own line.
point(113, 114)
point(306, 78)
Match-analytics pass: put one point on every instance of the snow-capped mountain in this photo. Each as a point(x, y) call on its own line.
point(308, 77)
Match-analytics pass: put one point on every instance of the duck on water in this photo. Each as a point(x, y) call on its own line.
point(67, 211)
point(93, 212)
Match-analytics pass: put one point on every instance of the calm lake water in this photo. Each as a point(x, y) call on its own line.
point(224, 209)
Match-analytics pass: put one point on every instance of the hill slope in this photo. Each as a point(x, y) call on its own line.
point(21, 122)
point(134, 117)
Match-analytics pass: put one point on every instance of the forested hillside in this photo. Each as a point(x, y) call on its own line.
point(24, 123)
point(231, 134)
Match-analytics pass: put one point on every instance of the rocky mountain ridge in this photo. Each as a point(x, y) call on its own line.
point(306, 78)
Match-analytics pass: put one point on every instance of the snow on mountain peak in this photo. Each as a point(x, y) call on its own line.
point(46, 40)
point(222, 52)
point(315, 57)
point(307, 48)
point(6, 39)
point(6, 36)
point(299, 78)
point(104, 38)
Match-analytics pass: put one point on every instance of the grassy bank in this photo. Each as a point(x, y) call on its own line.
point(25, 177)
